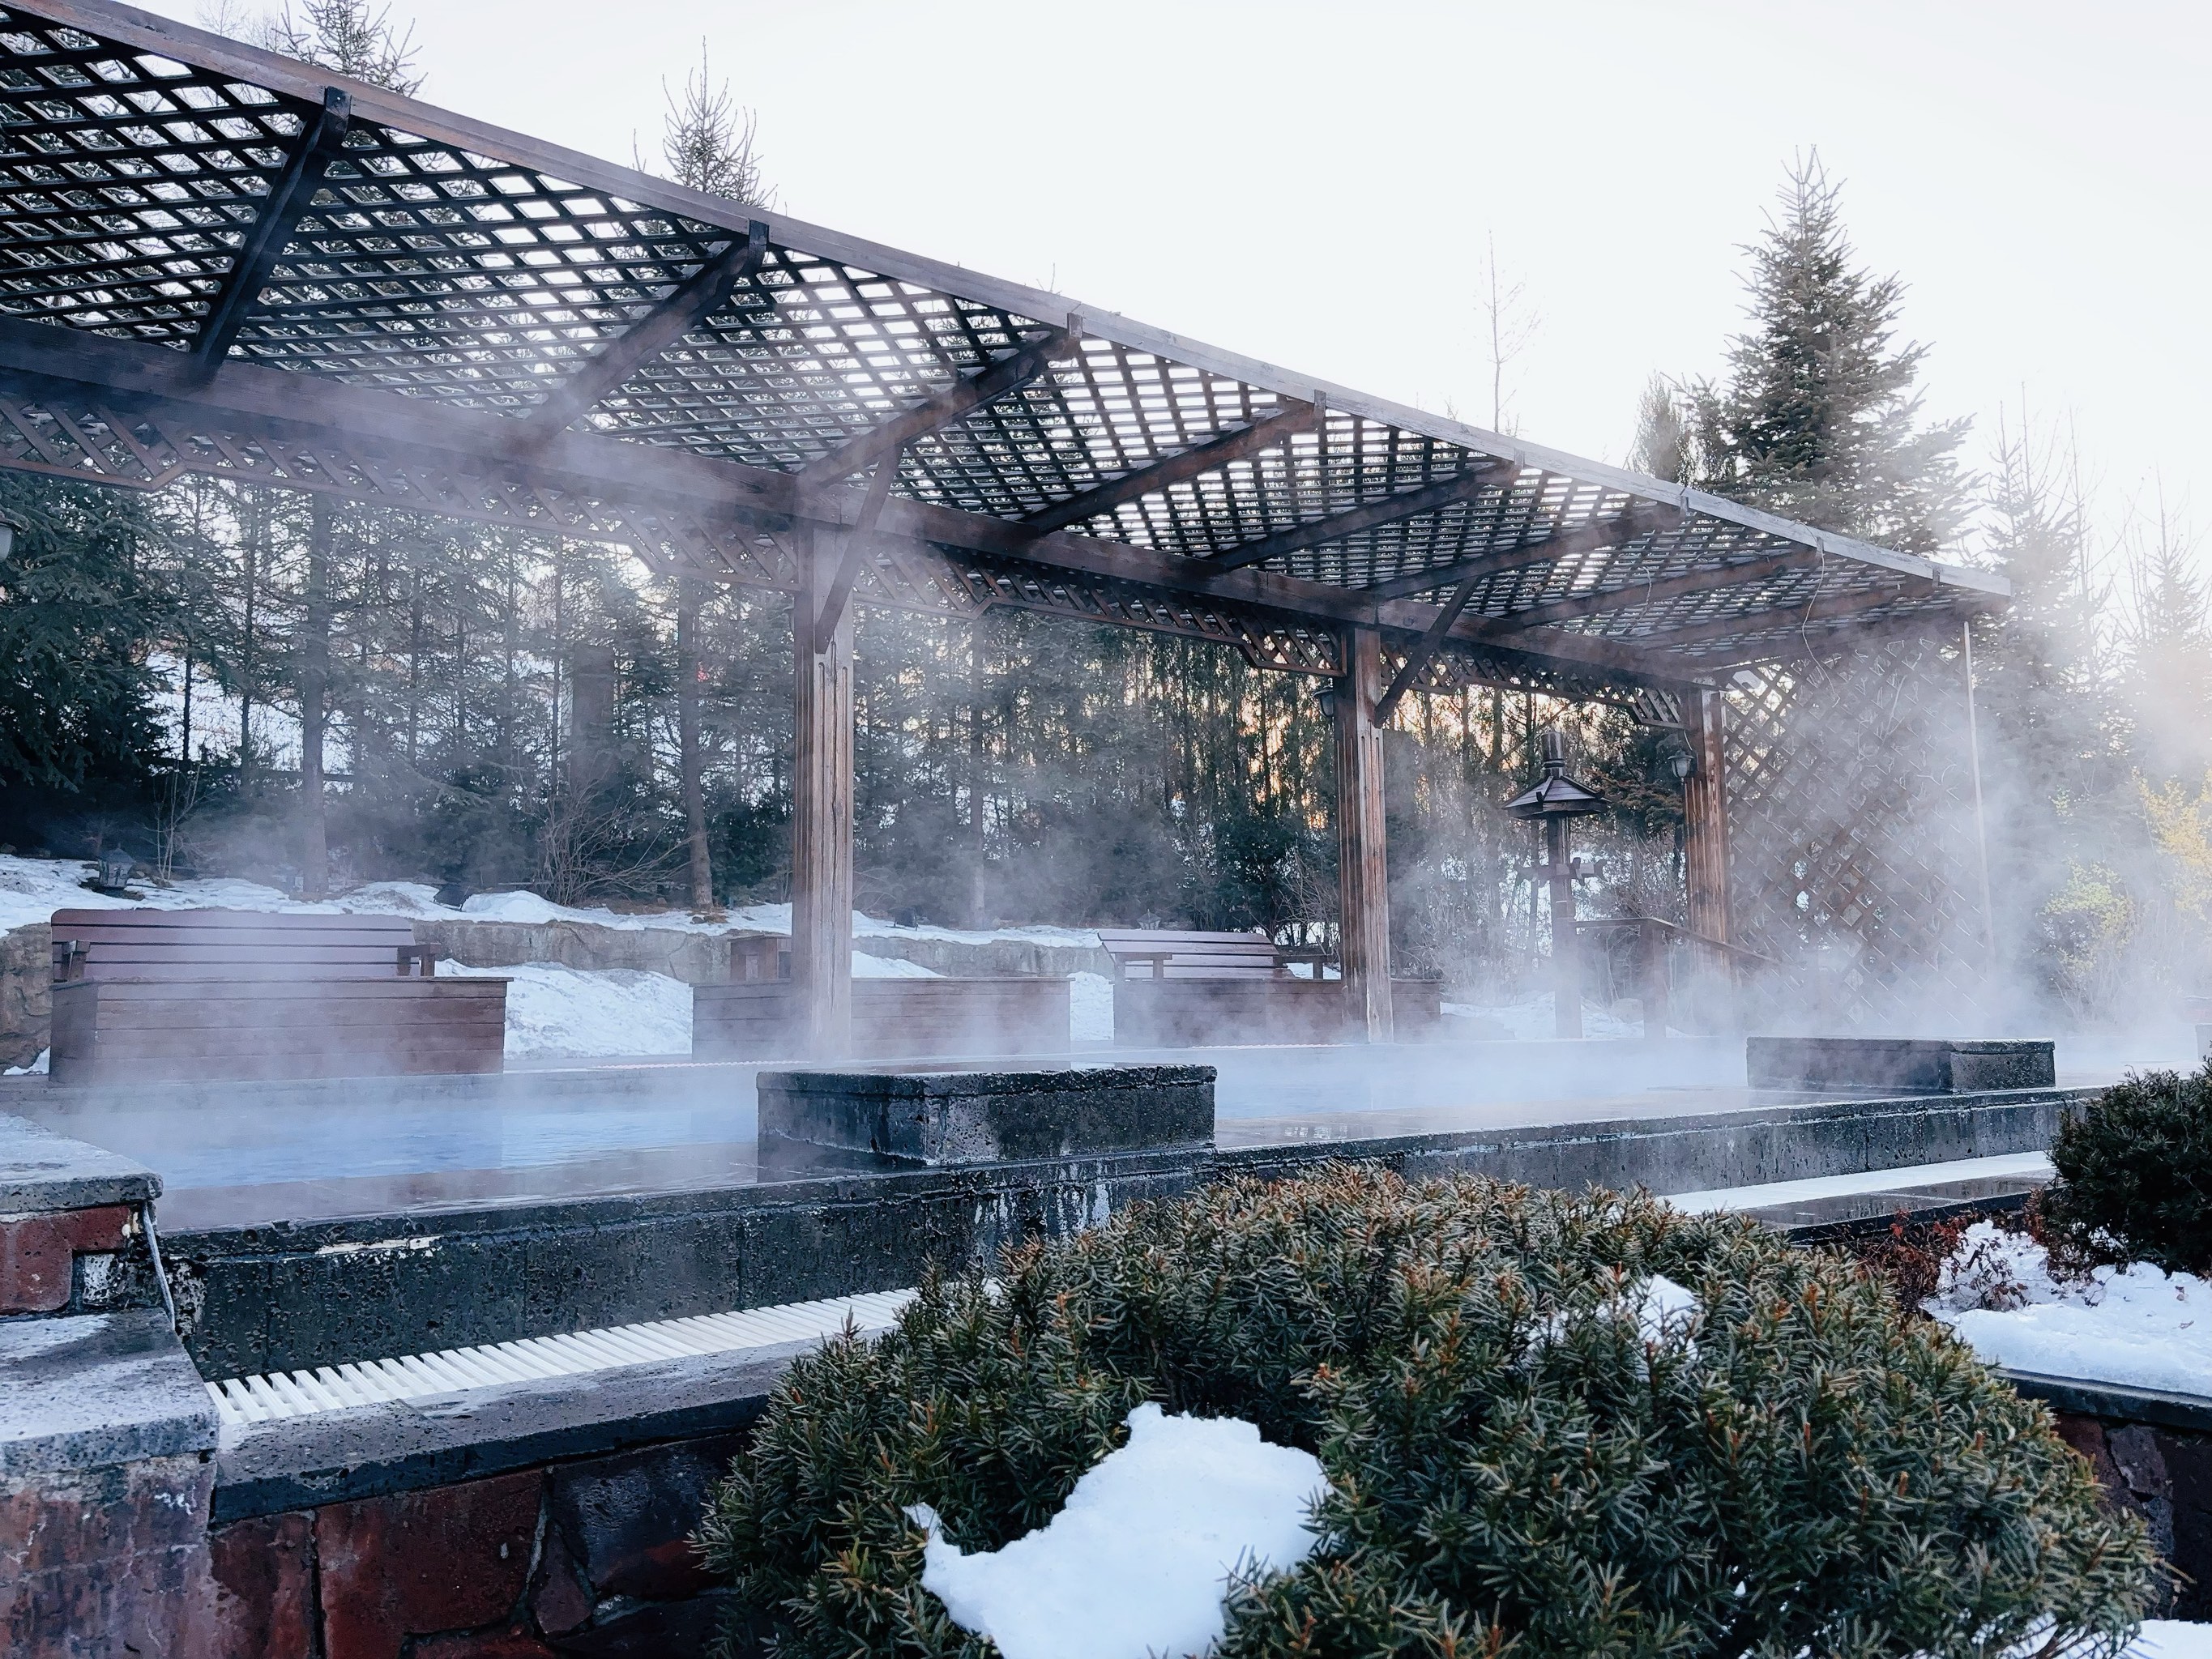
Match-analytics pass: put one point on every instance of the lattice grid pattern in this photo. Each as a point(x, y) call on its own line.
point(448, 262)
point(1852, 840)
point(127, 180)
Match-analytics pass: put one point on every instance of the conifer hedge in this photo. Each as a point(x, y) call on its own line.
point(1516, 1468)
point(2135, 1174)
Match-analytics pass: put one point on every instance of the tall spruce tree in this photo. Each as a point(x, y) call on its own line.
point(707, 142)
point(1819, 418)
point(2047, 726)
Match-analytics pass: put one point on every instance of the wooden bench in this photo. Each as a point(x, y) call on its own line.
point(1184, 990)
point(892, 1019)
point(148, 995)
point(1180, 990)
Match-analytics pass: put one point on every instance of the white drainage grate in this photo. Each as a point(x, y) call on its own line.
point(240, 1400)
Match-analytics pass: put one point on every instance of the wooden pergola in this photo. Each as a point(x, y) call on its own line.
point(218, 260)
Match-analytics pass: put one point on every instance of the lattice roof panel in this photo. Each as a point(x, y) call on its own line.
point(142, 169)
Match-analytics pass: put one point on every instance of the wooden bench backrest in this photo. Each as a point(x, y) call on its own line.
point(221, 944)
point(1158, 952)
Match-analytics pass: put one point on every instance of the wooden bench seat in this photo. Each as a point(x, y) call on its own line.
point(1186, 990)
point(162, 995)
point(1182, 989)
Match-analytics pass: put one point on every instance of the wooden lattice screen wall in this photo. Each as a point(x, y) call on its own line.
point(1854, 850)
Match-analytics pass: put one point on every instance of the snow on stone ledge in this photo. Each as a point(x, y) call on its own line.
point(2134, 1327)
point(1138, 1560)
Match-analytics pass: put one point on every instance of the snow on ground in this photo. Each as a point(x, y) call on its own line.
point(582, 1013)
point(2171, 1638)
point(586, 1013)
point(1137, 1561)
point(1091, 1008)
point(32, 890)
point(867, 967)
point(37, 1067)
point(2135, 1327)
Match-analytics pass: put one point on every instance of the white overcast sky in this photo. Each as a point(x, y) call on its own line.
point(1314, 183)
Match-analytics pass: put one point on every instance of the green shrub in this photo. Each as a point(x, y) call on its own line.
point(2135, 1174)
point(1514, 1466)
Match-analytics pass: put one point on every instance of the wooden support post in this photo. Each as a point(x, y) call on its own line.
point(1362, 860)
point(1705, 812)
point(1566, 942)
point(821, 810)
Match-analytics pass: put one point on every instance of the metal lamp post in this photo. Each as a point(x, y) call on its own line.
point(1556, 799)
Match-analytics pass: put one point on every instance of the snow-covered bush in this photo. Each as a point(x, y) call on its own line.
point(1531, 1436)
point(2135, 1175)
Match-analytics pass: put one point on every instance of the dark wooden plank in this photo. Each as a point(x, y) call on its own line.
point(1479, 474)
point(320, 140)
point(256, 921)
point(956, 403)
point(1195, 462)
point(1652, 592)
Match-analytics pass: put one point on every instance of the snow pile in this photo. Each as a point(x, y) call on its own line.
point(1139, 1559)
point(36, 1068)
point(1091, 1008)
point(2135, 1327)
point(2171, 1638)
point(579, 1013)
point(867, 967)
point(32, 890)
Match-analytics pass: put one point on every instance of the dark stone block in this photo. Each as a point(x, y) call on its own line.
point(630, 1519)
point(450, 1558)
point(985, 1117)
point(98, 1389)
point(264, 1584)
point(662, 1629)
point(1906, 1065)
point(513, 1643)
point(105, 1563)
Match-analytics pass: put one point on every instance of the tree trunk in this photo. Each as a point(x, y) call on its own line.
point(314, 696)
point(690, 760)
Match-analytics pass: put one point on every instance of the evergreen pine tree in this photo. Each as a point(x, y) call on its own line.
point(2046, 727)
point(1818, 419)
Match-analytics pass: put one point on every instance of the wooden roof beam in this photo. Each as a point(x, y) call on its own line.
point(1840, 607)
point(1216, 453)
point(1423, 651)
point(702, 294)
point(1651, 592)
point(43, 362)
point(321, 137)
point(1480, 473)
point(956, 403)
point(1638, 519)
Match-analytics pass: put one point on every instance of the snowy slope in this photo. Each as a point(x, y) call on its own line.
point(32, 890)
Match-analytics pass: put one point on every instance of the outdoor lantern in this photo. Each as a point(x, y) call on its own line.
point(1682, 762)
point(10, 524)
point(1556, 799)
point(115, 867)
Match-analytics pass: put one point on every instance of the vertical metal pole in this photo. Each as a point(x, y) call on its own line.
point(822, 814)
point(1566, 956)
point(1981, 826)
point(1362, 855)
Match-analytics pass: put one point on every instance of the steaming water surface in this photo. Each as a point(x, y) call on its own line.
point(244, 1155)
